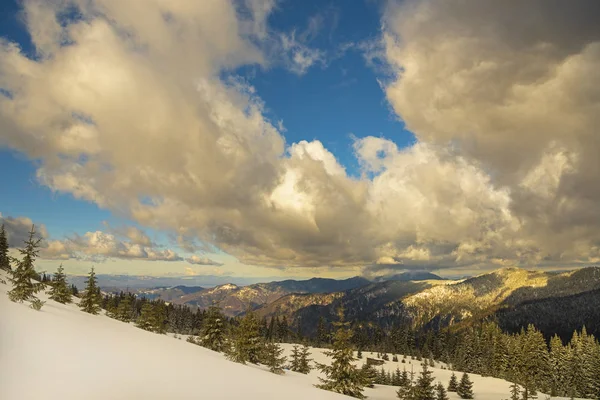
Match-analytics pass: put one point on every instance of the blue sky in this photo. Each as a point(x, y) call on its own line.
point(288, 138)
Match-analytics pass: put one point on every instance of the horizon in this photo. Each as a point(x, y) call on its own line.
point(274, 139)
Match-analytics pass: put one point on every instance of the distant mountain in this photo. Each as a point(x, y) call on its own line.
point(235, 300)
point(514, 296)
point(409, 276)
point(167, 294)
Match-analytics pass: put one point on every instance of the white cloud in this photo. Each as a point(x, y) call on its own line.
point(134, 115)
point(199, 260)
point(17, 229)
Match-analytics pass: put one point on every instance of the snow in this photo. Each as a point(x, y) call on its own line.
point(63, 353)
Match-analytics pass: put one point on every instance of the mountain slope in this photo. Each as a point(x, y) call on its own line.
point(235, 300)
point(63, 353)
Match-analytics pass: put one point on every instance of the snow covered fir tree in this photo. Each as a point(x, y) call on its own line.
point(4, 258)
point(91, 298)
point(24, 278)
point(342, 376)
point(246, 343)
point(59, 290)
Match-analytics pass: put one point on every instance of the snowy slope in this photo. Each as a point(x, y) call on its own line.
point(63, 353)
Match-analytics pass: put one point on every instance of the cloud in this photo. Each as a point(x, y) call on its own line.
point(18, 228)
point(198, 260)
point(100, 246)
point(298, 56)
point(135, 115)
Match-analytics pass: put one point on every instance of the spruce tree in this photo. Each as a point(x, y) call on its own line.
point(90, 301)
point(369, 375)
point(74, 290)
point(273, 358)
point(59, 290)
point(440, 392)
point(295, 363)
point(453, 384)
point(304, 361)
point(212, 335)
point(4, 258)
point(342, 376)
point(247, 345)
point(159, 317)
point(424, 389)
point(407, 391)
point(24, 274)
point(515, 391)
point(123, 312)
point(465, 387)
point(146, 319)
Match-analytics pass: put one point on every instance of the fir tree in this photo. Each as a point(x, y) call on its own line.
point(440, 392)
point(74, 290)
point(515, 391)
point(404, 379)
point(295, 363)
point(4, 258)
point(465, 387)
point(212, 335)
point(304, 367)
point(342, 376)
point(407, 391)
point(424, 389)
point(273, 358)
point(453, 384)
point(146, 319)
point(59, 291)
point(359, 353)
point(90, 301)
point(247, 344)
point(395, 358)
point(123, 312)
point(24, 289)
point(369, 375)
point(158, 318)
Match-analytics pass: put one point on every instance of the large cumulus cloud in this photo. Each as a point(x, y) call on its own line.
point(131, 106)
point(515, 87)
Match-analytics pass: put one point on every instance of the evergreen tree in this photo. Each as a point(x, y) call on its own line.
point(295, 363)
point(90, 301)
point(322, 334)
point(4, 258)
point(404, 379)
point(407, 391)
point(304, 367)
point(273, 358)
point(395, 358)
point(123, 312)
point(369, 375)
point(146, 319)
point(247, 345)
point(453, 384)
point(424, 389)
point(359, 353)
point(440, 392)
point(158, 317)
point(515, 391)
point(465, 387)
point(24, 289)
point(212, 335)
point(342, 376)
point(74, 290)
point(59, 291)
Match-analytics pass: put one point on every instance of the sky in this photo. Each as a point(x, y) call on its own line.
point(276, 138)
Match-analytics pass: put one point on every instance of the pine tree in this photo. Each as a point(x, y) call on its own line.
point(369, 375)
point(304, 365)
point(342, 376)
point(74, 290)
point(212, 335)
point(90, 301)
point(424, 389)
point(440, 392)
point(273, 358)
point(453, 384)
point(515, 391)
point(465, 387)
point(407, 391)
point(158, 318)
point(4, 258)
point(59, 291)
point(22, 277)
point(247, 344)
point(295, 363)
point(359, 353)
point(404, 379)
point(123, 312)
point(146, 319)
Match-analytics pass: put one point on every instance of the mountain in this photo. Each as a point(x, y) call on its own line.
point(514, 296)
point(235, 300)
point(167, 294)
point(409, 276)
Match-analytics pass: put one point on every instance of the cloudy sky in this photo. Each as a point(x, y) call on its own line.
point(272, 138)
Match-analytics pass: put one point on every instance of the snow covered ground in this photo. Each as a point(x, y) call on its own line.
point(63, 353)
